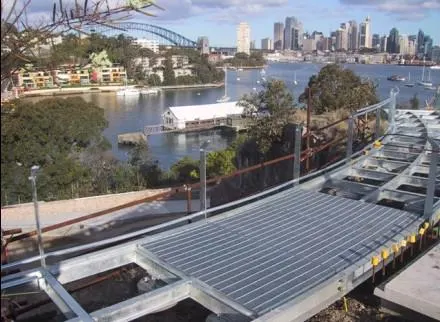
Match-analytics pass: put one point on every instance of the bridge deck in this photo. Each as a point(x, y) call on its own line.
point(264, 254)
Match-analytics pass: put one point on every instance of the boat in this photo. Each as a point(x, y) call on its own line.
point(127, 91)
point(151, 90)
point(423, 82)
point(435, 67)
point(396, 78)
point(409, 84)
point(295, 82)
point(225, 98)
point(240, 69)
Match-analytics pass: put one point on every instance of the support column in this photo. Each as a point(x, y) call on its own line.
point(350, 137)
point(430, 189)
point(297, 154)
point(203, 180)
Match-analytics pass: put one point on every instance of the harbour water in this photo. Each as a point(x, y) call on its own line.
point(131, 114)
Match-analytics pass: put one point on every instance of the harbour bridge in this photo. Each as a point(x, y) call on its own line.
point(282, 254)
point(162, 33)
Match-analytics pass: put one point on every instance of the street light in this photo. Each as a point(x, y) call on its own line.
point(33, 179)
point(203, 176)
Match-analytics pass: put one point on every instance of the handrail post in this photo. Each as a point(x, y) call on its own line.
point(350, 137)
point(297, 153)
point(377, 126)
point(392, 112)
point(430, 189)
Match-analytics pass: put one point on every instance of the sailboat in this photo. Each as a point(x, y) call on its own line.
point(409, 84)
point(294, 80)
point(225, 98)
point(423, 82)
point(127, 91)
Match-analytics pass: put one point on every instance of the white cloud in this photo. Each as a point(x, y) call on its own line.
point(402, 9)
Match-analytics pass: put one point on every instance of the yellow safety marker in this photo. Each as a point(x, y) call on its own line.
point(345, 304)
point(377, 144)
point(374, 261)
point(395, 249)
point(412, 240)
point(384, 254)
point(426, 225)
point(403, 245)
point(421, 233)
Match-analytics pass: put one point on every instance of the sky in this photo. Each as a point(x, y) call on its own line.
point(217, 19)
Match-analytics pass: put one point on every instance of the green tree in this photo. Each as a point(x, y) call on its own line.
point(271, 110)
point(153, 80)
point(186, 170)
point(51, 133)
point(336, 88)
point(169, 77)
point(220, 163)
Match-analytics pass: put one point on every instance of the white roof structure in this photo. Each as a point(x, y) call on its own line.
point(205, 112)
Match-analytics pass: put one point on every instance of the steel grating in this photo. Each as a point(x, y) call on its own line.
point(267, 253)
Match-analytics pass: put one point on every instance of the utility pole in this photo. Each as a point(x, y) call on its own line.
point(33, 179)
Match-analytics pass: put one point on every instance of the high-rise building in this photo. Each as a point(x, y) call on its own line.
point(278, 35)
point(252, 44)
point(353, 35)
point(421, 42)
point(309, 45)
point(243, 38)
point(289, 25)
point(403, 45)
point(411, 46)
point(342, 37)
point(428, 47)
point(203, 45)
point(266, 44)
point(365, 37)
point(436, 54)
point(376, 41)
point(293, 34)
point(393, 42)
point(383, 43)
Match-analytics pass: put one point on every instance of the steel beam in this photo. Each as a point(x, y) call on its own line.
point(141, 305)
point(63, 300)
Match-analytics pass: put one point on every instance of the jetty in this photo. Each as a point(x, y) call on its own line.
point(132, 138)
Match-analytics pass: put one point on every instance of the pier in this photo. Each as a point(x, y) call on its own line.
point(132, 138)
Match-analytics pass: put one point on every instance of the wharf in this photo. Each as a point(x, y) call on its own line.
point(132, 138)
point(416, 289)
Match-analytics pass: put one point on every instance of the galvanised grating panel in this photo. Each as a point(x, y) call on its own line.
point(266, 253)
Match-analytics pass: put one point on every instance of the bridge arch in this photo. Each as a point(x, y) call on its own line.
point(169, 35)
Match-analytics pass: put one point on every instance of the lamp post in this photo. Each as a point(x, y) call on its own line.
point(203, 176)
point(33, 179)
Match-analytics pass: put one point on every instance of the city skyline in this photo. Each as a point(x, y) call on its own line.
point(193, 18)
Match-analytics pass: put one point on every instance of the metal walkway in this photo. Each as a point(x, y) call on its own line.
point(283, 257)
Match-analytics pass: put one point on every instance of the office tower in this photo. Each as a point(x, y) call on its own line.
point(243, 38)
point(353, 35)
point(421, 42)
point(342, 37)
point(278, 36)
point(365, 37)
point(266, 44)
point(376, 41)
point(403, 44)
point(252, 44)
point(383, 43)
point(293, 34)
point(393, 42)
point(428, 47)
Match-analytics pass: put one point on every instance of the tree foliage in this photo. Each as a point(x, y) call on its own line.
point(168, 73)
point(271, 110)
point(255, 59)
point(336, 88)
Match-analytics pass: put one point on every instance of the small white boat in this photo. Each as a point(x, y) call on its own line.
point(423, 82)
point(238, 78)
point(223, 99)
point(128, 91)
point(254, 88)
point(198, 93)
point(150, 91)
point(295, 82)
point(435, 67)
point(240, 69)
point(258, 82)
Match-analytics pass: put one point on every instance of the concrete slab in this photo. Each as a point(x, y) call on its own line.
point(417, 288)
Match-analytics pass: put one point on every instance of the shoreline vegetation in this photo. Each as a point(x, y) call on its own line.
point(108, 89)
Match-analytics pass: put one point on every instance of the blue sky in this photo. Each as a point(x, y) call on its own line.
point(217, 19)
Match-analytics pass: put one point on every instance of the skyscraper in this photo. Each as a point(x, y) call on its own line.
point(393, 42)
point(403, 45)
point(266, 44)
point(421, 42)
point(376, 41)
point(243, 38)
point(353, 35)
point(341, 38)
point(290, 24)
point(383, 43)
point(428, 46)
point(278, 35)
point(365, 37)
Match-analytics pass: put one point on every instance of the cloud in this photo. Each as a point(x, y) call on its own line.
point(414, 10)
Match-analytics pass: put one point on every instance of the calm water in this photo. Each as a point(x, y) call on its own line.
point(130, 114)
